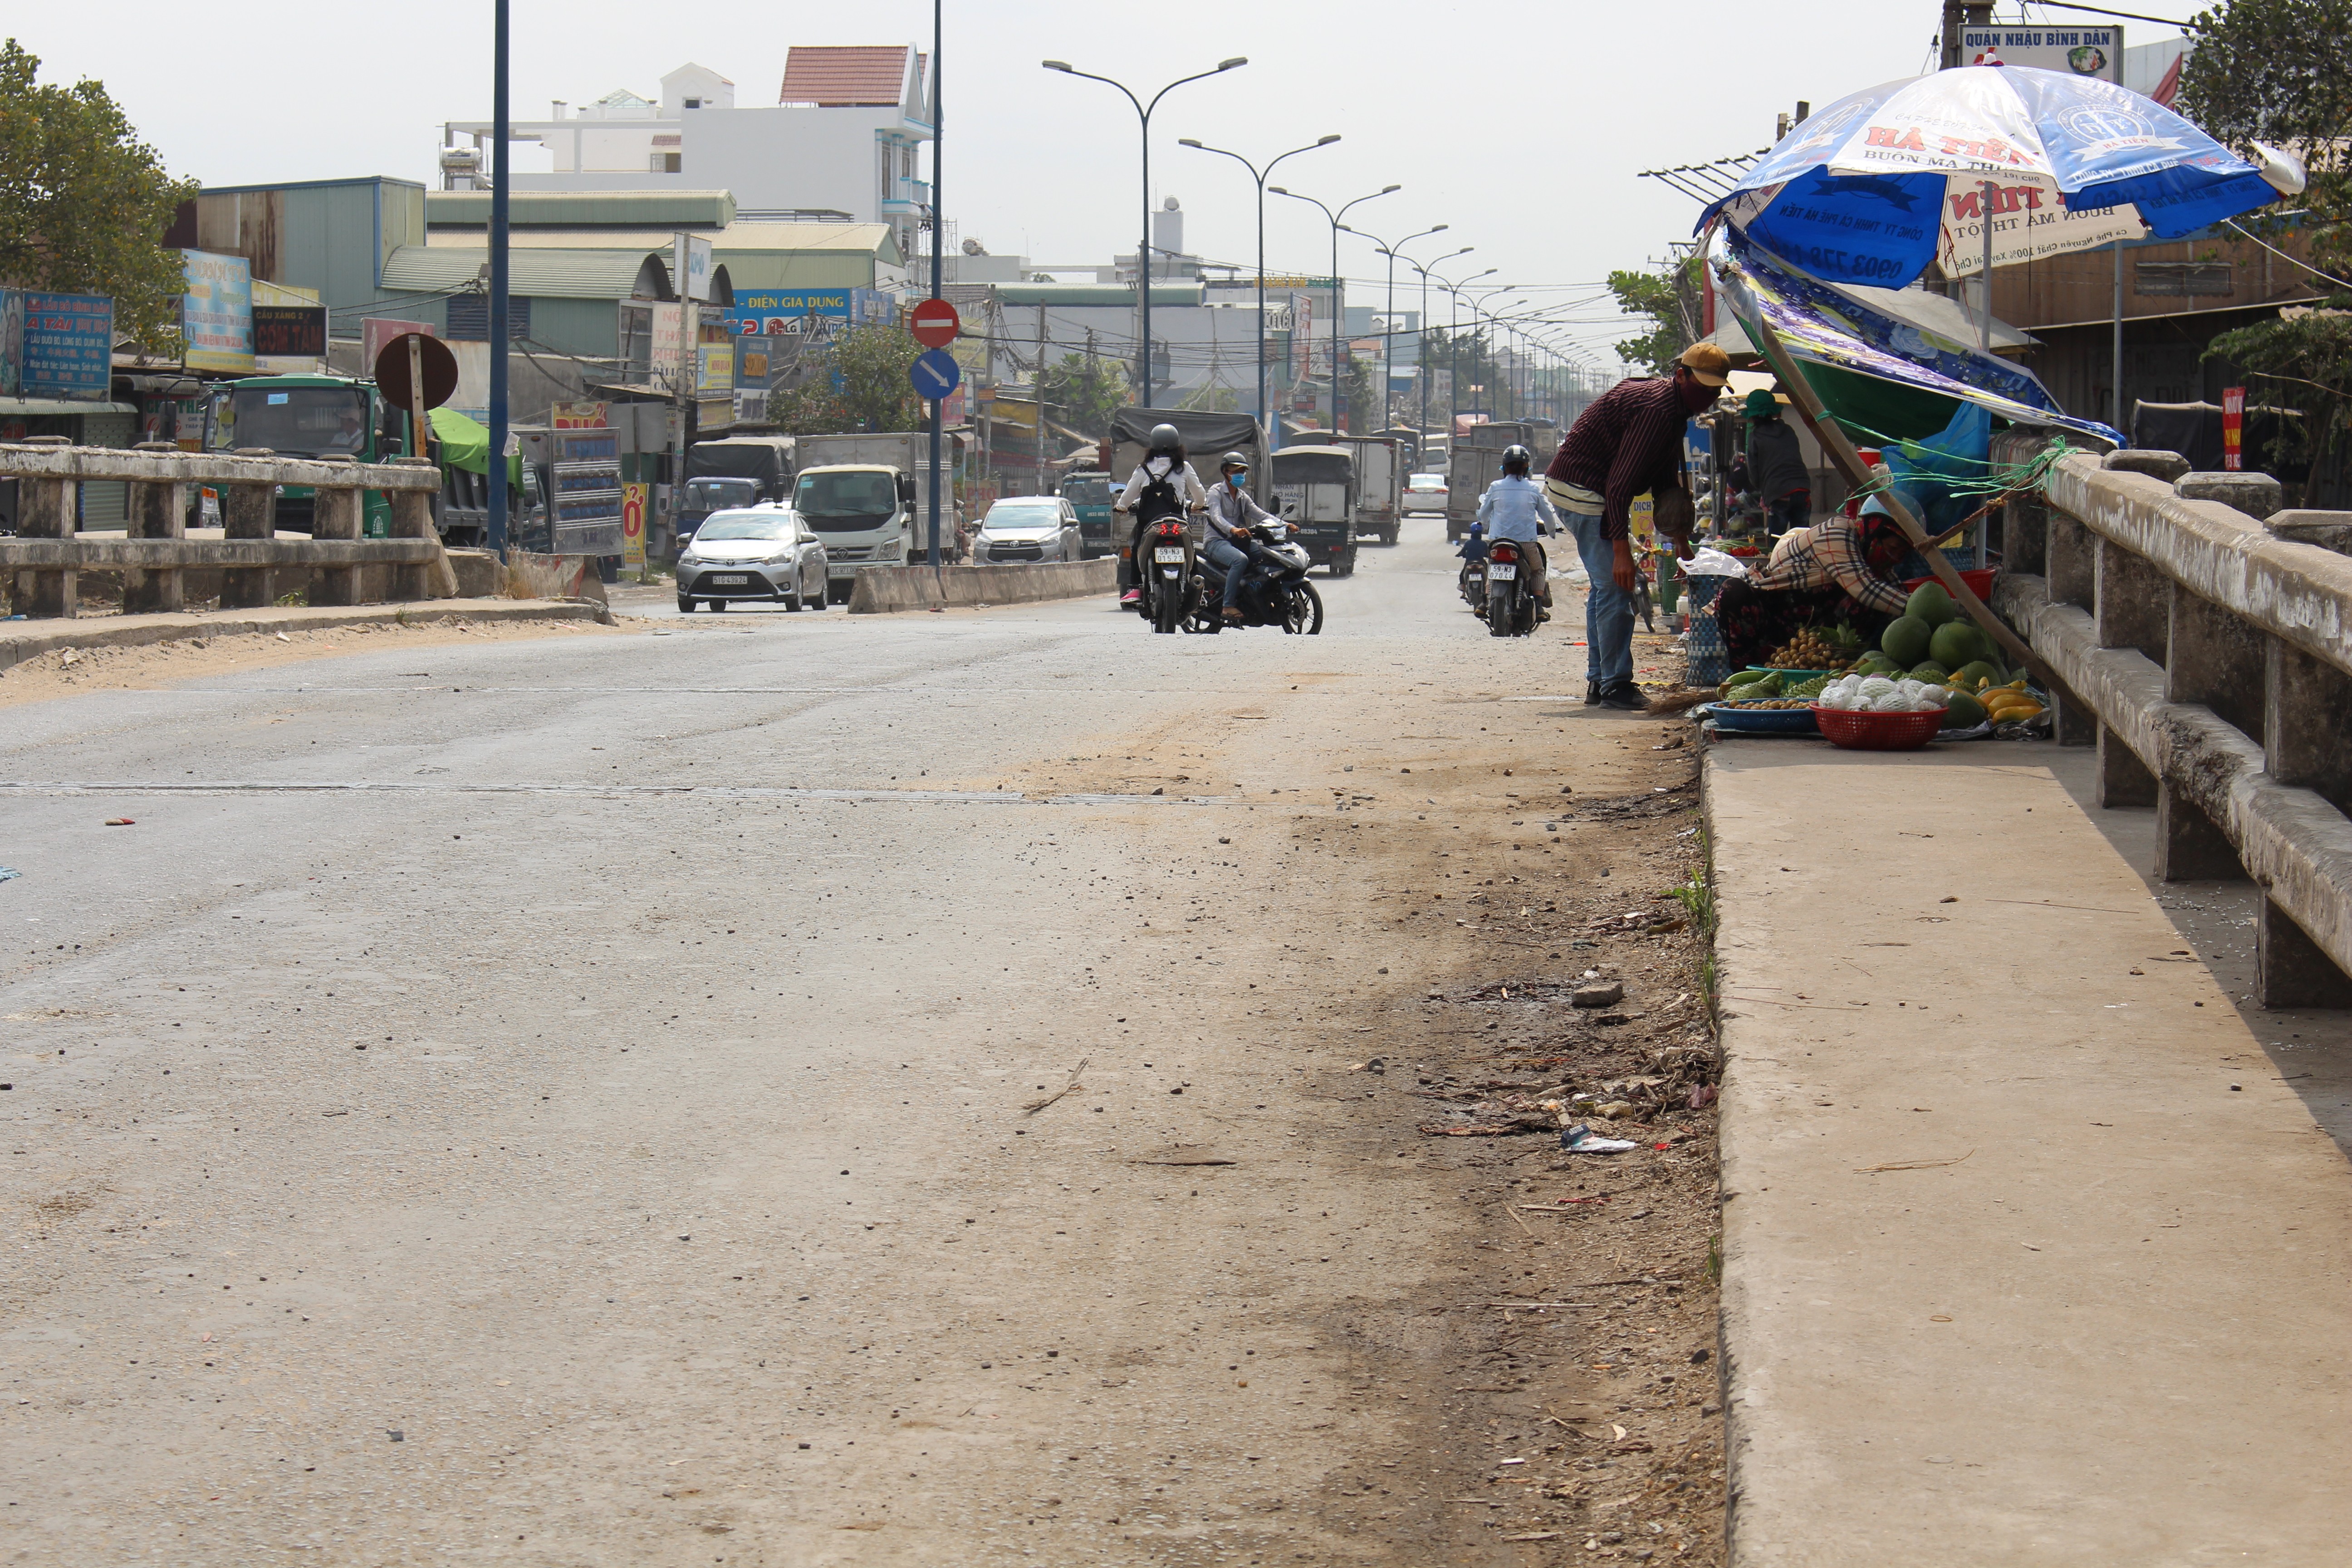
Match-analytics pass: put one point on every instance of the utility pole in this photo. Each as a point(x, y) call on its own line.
point(1959, 14)
point(498, 209)
point(1037, 478)
point(939, 238)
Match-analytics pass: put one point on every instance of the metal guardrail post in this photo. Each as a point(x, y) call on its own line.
point(336, 514)
point(249, 511)
point(45, 509)
point(156, 512)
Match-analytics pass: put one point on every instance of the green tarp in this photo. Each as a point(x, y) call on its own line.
point(466, 444)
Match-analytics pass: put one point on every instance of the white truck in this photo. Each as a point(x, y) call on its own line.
point(867, 497)
point(1380, 484)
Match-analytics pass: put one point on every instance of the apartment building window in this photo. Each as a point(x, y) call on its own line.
point(665, 163)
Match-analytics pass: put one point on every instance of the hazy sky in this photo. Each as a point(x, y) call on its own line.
point(1521, 125)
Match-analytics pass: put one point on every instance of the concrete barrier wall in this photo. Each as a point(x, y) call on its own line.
point(529, 576)
point(881, 589)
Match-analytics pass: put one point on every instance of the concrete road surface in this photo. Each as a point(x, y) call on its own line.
point(570, 1102)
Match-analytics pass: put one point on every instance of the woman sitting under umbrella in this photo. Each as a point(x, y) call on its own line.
point(1840, 568)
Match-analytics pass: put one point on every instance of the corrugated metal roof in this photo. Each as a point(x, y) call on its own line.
point(1034, 294)
point(542, 274)
point(846, 76)
point(861, 238)
point(585, 209)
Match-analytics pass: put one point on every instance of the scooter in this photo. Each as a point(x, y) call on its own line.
point(1511, 604)
point(1275, 590)
point(1171, 588)
point(1473, 586)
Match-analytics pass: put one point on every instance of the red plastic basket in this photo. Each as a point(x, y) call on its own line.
point(1878, 732)
point(1979, 579)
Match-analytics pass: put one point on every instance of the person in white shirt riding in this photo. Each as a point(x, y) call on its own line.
point(1231, 514)
point(1515, 509)
point(1169, 483)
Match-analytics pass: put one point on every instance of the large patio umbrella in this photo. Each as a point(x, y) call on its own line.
point(1992, 161)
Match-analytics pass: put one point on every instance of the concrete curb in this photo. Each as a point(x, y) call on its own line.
point(144, 631)
point(882, 589)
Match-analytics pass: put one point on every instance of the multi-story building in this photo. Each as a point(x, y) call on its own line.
point(840, 144)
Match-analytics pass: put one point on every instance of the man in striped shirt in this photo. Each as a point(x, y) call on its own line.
point(1629, 441)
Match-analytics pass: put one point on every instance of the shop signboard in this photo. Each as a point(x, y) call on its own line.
point(68, 346)
point(717, 369)
point(804, 312)
point(217, 311)
point(634, 504)
point(579, 416)
point(2070, 48)
point(690, 264)
point(668, 344)
point(377, 330)
point(290, 332)
point(2234, 427)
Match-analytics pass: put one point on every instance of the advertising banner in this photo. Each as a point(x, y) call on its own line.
point(2029, 220)
point(2234, 427)
point(804, 312)
point(377, 330)
point(579, 416)
point(634, 505)
point(68, 346)
point(2074, 49)
point(717, 371)
point(690, 266)
point(668, 345)
point(217, 311)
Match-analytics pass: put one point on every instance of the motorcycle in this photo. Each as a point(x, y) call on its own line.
point(1473, 583)
point(1275, 590)
point(1511, 604)
point(1171, 588)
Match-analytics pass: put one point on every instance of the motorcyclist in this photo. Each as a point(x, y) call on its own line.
point(1231, 514)
point(1162, 485)
point(1515, 507)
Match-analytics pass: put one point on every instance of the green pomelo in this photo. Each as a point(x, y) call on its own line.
point(1980, 670)
point(1965, 712)
point(1957, 643)
point(1930, 604)
point(1905, 639)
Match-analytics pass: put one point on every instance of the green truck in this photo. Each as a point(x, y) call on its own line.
point(343, 416)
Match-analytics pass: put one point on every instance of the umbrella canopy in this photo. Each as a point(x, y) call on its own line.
point(1880, 184)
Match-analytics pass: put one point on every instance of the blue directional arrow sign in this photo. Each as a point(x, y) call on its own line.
point(935, 375)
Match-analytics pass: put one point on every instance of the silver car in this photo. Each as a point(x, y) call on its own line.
point(1028, 528)
point(765, 555)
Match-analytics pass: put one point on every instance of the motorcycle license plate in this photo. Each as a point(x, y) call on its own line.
point(1498, 572)
point(1174, 553)
point(731, 578)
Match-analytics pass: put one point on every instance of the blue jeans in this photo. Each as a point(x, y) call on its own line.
point(1235, 563)
point(1608, 609)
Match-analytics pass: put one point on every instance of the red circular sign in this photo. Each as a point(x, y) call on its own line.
point(935, 323)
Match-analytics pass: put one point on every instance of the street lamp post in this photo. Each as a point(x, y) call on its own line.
point(1257, 177)
point(1143, 245)
point(1421, 357)
point(1387, 329)
point(1477, 309)
point(1338, 298)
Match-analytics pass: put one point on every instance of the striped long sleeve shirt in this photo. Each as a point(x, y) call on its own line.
point(1628, 442)
point(1829, 553)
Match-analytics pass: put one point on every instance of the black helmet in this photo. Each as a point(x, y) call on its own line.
point(1232, 460)
point(1164, 438)
point(1516, 458)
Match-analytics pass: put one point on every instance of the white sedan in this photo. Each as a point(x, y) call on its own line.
point(1028, 528)
point(1425, 493)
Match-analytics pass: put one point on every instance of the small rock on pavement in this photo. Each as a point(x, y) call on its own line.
point(1607, 995)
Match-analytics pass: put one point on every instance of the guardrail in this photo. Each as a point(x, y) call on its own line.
point(48, 553)
point(2202, 640)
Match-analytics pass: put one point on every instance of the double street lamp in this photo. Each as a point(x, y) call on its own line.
point(1453, 356)
point(1258, 176)
point(1421, 353)
point(1339, 297)
point(1143, 245)
point(1388, 327)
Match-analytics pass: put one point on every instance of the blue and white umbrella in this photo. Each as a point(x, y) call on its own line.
point(1883, 183)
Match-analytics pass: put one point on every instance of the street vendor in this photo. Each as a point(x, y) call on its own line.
point(1629, 441)
point(1840, 568)
point(1775, 467)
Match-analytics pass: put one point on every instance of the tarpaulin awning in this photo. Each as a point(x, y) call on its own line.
point(467, 444)
point(1884, 375)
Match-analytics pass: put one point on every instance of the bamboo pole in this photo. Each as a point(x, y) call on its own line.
point(1833, 441)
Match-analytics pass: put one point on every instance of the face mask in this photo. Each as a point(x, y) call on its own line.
point(1235, 480)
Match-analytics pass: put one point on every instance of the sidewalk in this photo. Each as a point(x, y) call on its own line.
point(2101, 1320)
point(21, 640)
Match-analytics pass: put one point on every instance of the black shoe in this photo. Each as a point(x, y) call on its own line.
point(1591, 693)
point(1624, 696)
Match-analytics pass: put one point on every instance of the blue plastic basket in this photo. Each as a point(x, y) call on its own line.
point(1703, 647)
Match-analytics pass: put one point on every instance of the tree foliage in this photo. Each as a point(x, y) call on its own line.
point(2303, 362)
point(858, 383)
point(1359, 396)
point(1668, 295)
point(2281, 71)
point(84, 204)
point(1085, 392)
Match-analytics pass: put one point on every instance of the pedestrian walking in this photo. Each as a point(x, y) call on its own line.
point(1628, 442)
point(1775, 467)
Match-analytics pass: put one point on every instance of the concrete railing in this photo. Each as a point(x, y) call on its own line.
point(2202, 640)
point(47, 554)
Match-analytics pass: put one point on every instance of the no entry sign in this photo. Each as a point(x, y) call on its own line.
point(935, 323)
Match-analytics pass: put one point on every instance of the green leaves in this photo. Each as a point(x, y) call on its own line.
point(84, 205)
point(2281, 71)
point(1669, 297)
point(1083, 393)
point(858, 383)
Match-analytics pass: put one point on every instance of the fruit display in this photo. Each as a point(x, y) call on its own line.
point(1749, 704)
point(2009, 704)
point(1877, 694)
point(1815, 648)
